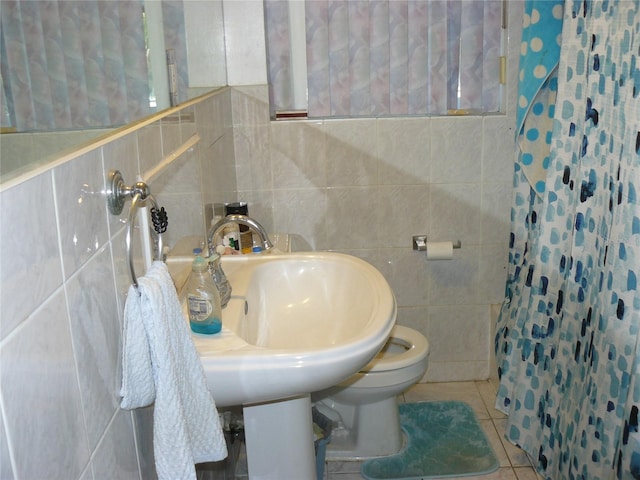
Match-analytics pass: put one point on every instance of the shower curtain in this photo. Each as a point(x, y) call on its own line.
point(567, 336)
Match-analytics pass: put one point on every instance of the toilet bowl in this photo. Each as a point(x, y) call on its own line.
point(364, 409)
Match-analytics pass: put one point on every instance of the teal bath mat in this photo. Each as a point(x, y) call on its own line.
point(444, 439)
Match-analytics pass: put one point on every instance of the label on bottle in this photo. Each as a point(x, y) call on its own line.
point(199, 308)
point(246, 241)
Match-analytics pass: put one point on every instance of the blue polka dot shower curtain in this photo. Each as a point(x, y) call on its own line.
point(567, 336)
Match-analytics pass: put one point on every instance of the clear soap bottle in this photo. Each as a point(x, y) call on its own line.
point(203, 299)
point(219, 278)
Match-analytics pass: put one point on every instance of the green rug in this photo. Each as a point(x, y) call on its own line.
point(444, 439)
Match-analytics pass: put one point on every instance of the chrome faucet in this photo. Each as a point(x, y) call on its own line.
point(213, 238)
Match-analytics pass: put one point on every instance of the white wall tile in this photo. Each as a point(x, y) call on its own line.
point(81, 209)
point(456, 155)
point(252, 148)
point(455, 371)
point(41, 397)
point(406, 271)
point(498, 149)
point(185, 214)
point(250, 104)
point(404, 151)
point(87, 474)
point(455, 213)
point(209, 127)
point(455, 281)
point(355, 217)
point(459, 333)
point(6, 471)
point(29, 250)
point(218, 170)
point(493, 272)
point(96, 333)
point(404, 213)
point(414, 317)
point(496, 211)
point(303, 212)
point(115, 457)
point(298, 155)
point(351, 152)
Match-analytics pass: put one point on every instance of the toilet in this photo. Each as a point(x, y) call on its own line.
point(363, 408)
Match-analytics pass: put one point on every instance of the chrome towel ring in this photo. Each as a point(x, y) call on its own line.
point(141, 196)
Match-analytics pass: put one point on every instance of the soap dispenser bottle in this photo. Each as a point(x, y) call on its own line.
point(203, 299)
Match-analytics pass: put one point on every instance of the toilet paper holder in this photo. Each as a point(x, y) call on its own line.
point(420, 243)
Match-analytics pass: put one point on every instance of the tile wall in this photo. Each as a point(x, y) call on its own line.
point(364, 187)
point(63, 285)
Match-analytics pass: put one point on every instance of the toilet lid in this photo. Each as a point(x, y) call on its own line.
point(417, 350)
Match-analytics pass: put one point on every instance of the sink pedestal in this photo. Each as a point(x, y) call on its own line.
point(279, 439)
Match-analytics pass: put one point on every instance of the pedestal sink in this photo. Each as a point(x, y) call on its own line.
point(296, 323)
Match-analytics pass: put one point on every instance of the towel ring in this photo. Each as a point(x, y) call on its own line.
point(140, 195)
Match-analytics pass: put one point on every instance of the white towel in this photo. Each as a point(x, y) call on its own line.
point(160, 363)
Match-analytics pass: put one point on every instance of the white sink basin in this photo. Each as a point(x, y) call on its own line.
point(295, 323)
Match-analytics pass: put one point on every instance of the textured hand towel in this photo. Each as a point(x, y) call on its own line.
point(160, 363)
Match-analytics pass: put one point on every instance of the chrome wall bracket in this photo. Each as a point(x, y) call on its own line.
point(118, 192)
point(420, 243)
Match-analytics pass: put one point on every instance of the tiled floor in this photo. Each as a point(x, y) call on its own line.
point(514, 464)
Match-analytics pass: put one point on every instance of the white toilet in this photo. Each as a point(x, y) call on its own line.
point(363, 408)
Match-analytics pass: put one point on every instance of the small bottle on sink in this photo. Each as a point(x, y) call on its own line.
point(203, 299)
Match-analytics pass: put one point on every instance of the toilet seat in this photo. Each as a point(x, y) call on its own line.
point(417, 350)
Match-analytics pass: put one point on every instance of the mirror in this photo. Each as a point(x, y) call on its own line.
point(134, 58)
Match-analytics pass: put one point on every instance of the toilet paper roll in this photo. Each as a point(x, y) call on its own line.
point(439, 250)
